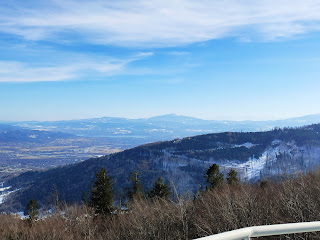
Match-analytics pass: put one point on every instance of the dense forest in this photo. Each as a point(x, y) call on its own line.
point(182, 162)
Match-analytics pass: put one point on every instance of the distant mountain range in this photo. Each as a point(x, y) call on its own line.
point(124, 133)
point(35, 144)
point(254, 155)
point(16, 134)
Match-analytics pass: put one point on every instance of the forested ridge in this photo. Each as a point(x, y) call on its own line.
point(180, 161)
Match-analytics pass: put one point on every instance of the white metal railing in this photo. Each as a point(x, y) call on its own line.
point(267, 230)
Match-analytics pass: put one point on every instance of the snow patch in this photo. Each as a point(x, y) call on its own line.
point(4, 193)
point(247, 145)
point(250, 169)
point(276, 142)
point(123, 131)
point(2, 189)
point(199, 130)
point(254, 166)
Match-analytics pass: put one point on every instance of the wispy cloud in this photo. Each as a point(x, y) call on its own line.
point(158, 23)
point(11, 71)
point(14, 71)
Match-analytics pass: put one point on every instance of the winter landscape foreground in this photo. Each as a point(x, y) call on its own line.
point(231, 206)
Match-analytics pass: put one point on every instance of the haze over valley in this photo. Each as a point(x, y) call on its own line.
point(41, 145)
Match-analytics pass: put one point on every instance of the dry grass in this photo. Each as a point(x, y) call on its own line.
point(226, 208)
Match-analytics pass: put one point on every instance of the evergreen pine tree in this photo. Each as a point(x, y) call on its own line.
point(32, 211)
point(264, 184)
point(101, 197)
point(213, 176)
point(135, 190)
point(232, 177)
point(160, 189)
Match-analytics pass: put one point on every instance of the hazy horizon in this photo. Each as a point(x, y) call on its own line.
point(105, 116)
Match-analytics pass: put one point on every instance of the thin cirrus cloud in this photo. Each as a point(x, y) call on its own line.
point(158, 23)
point(12, 71)
point(15, 71)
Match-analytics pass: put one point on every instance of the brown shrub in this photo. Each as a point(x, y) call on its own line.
point(225, 208)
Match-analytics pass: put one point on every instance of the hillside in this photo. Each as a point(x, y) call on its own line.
point(35, 145)
point(254, 155)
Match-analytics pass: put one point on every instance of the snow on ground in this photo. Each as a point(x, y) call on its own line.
point(169, 165)
point(21, 215)
point(269, 163)
point(254, 166)
point(276, 142)
point(250, 168)
point(5, 193)
point(2, 189)
point(247, 145)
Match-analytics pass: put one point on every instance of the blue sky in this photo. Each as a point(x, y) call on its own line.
point(233, 59)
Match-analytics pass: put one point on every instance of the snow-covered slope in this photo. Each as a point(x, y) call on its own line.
point(254, 155)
